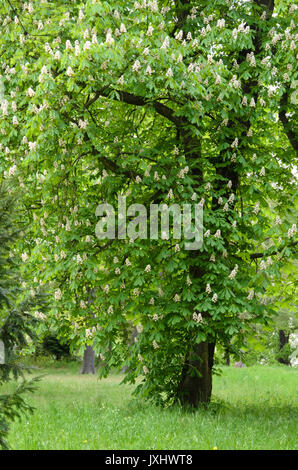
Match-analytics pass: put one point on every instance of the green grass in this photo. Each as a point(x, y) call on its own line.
point(253, 408)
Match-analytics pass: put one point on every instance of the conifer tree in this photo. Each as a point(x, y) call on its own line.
point(16, 319)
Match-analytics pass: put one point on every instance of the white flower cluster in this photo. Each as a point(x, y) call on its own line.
point(233, 273)
point(90, 332)
point(251, 295)
point(221, 23)
point(32, 146)
point(81, 259)
point(69, 72)
point(24, 257)
point(136, 66)
point(179, 35)
point(170, 194)
point(262, 171)
point(40, 315)
point(208, 289)
point(231, 198)
point(241, 29)
point(166, 43)
point(4, 107)
point(235, 143)
point(197, 317)
point(30, 92)
point(234, 82)
point(58, 294)
point(183, 172)
point(109, 39)
point(263, 265)
point(256, 208)
point(106, 288)
point(292, 231)
point(83, 123)
point(150, 30)
point(169, 73)
point(250, 57)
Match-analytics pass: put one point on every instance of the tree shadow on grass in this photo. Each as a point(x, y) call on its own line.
point(266, 408)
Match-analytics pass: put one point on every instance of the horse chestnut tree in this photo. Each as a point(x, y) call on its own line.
point(160, 102)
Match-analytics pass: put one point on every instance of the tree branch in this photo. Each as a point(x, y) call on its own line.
point(261, 255)
point(130, 98)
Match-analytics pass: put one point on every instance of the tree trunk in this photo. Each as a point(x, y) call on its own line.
point(131, 342)
point(88, 361)
point(196, 382)
point(227, 352)
point(227, 357)
point(283, 340)
point(88, 366)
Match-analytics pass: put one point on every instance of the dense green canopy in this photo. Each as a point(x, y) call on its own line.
point(185, 102)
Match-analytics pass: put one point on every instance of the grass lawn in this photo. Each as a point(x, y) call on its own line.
point(253, 408)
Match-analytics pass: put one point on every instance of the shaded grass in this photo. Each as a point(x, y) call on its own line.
point(252, 408)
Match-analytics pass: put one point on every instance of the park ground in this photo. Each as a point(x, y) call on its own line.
point(253, 408)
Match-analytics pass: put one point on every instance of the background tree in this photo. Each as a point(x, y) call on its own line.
point(16, 321)
point(286, 323)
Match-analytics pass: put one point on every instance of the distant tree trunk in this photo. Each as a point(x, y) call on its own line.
point(89, 354)
point(227, 353)
point(196, 388)
point(131, 342)
point(227, 357)
point(88, 361)
point(283, 340)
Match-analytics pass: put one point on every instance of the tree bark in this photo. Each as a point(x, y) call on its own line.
point(283, 340)
point(131, 342)
point(196, 381)
point(88, 361)
point(89, 354)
